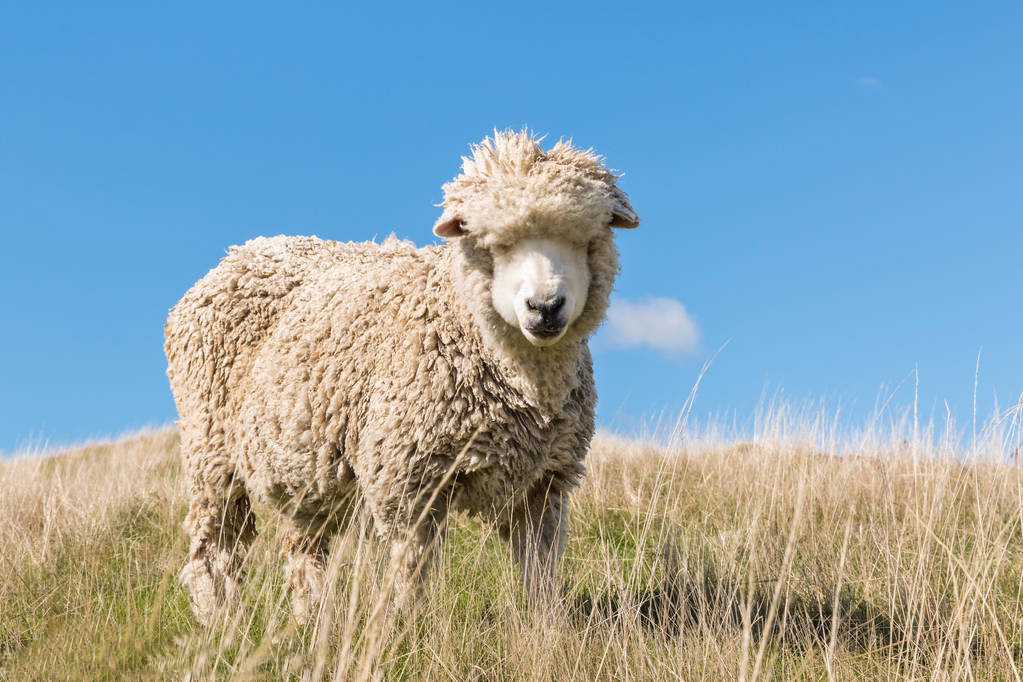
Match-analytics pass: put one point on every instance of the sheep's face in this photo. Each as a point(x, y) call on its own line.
point(540, 285)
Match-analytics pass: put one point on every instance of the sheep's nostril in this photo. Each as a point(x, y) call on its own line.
point(546, 307)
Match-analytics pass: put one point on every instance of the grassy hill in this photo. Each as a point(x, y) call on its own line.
point(781, 558)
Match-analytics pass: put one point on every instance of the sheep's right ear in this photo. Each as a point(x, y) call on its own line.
point(622, 215)
point(452, 227)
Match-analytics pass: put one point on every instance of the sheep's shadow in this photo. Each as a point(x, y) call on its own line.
point(802, 618)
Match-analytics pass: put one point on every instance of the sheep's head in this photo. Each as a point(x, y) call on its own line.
point(535, 226)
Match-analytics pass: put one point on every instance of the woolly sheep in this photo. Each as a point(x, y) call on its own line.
point(317, 376)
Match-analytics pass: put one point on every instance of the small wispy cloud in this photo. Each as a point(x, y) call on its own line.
point(869, 82)
point(661, 323)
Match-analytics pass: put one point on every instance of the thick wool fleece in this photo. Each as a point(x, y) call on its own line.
point(310, 375)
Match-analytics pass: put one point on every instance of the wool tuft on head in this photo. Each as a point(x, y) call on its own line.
point(510, 188)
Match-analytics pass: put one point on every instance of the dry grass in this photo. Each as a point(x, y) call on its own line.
point(889, 553)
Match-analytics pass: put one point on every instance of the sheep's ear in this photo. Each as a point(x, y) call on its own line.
point(622, 215)
point(452, 227)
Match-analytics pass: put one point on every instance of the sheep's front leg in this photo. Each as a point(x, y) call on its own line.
point(412, 550)
point(305, 548)
point(536, 534)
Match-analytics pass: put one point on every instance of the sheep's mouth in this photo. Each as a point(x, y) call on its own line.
point(543, 334)
point(545, 331)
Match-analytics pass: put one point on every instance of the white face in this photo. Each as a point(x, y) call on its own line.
point(540, 286)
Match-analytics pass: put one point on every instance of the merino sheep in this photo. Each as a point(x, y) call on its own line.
point(314, 375)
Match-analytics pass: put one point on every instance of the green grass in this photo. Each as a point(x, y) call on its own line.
point(777, 559)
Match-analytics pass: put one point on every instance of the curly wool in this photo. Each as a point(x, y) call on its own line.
point(311, 374)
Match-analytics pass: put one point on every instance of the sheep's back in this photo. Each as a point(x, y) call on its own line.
point(215, 330)
point(343, 344)
point(278, 323)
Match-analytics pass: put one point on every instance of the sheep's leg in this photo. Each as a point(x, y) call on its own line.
point(412, 550)
point(536, 534)
point(221, 530)
point(305, 550)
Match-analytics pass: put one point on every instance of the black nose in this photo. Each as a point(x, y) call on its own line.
point(548, 308)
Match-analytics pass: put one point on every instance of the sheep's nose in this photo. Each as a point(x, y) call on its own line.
point(548, 308)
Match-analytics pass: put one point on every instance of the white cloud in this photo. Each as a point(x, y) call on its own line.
point(868, 82)
point(661, 323)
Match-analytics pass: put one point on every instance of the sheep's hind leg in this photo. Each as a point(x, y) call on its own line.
point(221, 531)
point(305, 549)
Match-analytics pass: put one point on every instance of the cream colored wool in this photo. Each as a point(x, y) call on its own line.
point(313, 376)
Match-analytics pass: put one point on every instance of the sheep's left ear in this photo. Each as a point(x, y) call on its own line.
point(622, 215)
point(450, 227)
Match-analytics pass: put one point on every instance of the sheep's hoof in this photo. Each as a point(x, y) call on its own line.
point(304, 607)
point(213, 594)
point(305, 578)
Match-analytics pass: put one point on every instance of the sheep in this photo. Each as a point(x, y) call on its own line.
point(315, 377)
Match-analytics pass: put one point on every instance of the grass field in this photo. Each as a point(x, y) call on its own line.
point(806, 552)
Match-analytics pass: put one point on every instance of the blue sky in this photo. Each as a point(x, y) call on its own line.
point(835, 192)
